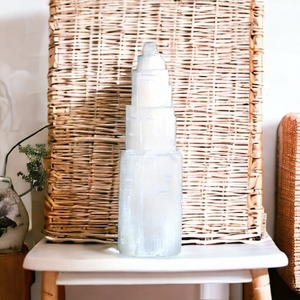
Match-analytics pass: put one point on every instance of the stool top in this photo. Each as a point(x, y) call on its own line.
point(48, 256)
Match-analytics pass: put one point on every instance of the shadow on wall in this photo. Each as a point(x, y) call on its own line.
point(269, 172)
point(23, 95)
point(23, 82)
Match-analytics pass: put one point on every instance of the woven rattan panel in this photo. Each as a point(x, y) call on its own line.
point(288, 197)
point(213, 51)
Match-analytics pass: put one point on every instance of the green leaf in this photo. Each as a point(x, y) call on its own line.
point(36, 173)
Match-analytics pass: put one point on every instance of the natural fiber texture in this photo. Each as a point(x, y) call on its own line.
point(288, 197)
point(213, 51)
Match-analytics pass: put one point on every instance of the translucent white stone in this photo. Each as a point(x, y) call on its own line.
point(150, 128)
point(151, 88)
point(150, 168)
point(150, 204)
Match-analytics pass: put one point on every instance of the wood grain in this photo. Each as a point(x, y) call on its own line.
point(261, 284)
point(50, 290)
point(15, 281)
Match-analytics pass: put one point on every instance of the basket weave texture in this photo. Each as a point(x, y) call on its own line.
point(213, 50)
point(288, 197)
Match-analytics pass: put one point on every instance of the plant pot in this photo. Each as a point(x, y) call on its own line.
point(14, 220)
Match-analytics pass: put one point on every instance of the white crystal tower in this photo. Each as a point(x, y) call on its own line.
point(150, 168)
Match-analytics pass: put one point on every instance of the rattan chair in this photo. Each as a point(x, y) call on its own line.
point(288, 197)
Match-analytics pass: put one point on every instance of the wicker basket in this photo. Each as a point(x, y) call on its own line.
point(288, 197)
point(213, 65)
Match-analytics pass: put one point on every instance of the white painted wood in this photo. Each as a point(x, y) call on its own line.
point(212, 266)
point(137, 278)
point(214, 291)
point(106, 258)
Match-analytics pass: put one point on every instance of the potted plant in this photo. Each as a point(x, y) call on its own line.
point(14, 220)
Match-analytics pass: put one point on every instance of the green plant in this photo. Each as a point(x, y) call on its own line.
point(36, 173)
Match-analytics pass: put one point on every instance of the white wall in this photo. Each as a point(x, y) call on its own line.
point(23, 86)
point(23, 89)
point(23, 48)
point(281, 84)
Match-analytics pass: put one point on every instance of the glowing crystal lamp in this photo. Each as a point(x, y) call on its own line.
point(151, 167)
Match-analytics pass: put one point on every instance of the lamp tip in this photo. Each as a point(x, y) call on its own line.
point(150, 48)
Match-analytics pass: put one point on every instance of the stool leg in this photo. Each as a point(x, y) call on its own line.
point(50, 290)
point(261, 284)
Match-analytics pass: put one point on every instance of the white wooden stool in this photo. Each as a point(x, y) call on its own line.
point(101, 264)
